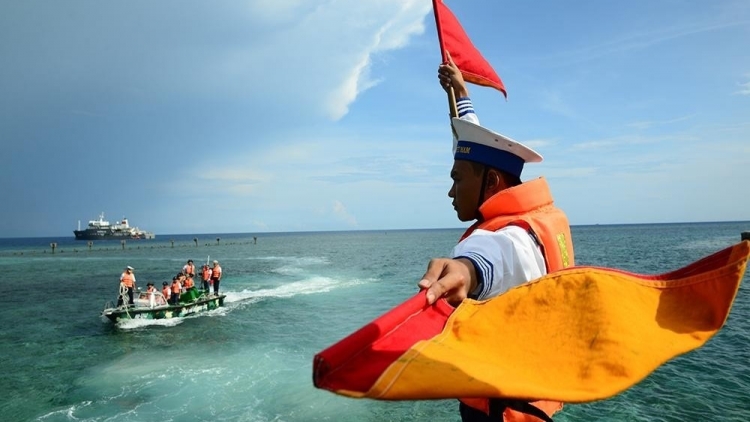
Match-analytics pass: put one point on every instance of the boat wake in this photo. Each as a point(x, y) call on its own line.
point(305, 287)
point(134, 324)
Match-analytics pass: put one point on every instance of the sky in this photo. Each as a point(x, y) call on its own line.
point(298, 115)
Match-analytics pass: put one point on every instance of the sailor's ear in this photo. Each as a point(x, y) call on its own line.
point(494, 182)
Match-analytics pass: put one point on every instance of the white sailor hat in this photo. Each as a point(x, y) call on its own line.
point(484, 146)
point(130, 268)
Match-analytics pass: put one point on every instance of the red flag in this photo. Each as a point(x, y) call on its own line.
point(453, 38)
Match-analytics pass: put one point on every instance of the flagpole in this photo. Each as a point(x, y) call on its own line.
point(452, 102)
point(451, 94)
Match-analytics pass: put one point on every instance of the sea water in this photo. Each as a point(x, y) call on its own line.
point(289, 296)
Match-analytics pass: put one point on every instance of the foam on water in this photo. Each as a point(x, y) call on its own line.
point(295, 260)
point(318, 284)
point(709, 244)
point(137, 323)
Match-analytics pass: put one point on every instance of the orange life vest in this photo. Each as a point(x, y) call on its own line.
point(216, 273)
point(165, 291)
point(205, 274)
point(175, 287)
point(127, 280)
point(189, 283)
point(530, 206)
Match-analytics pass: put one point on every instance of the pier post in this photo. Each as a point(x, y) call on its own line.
point(195, 239)
point(172, 240)
point(90, 243)
point(217, 241)
point(745, 236)
point(53, 245)
point(122, 242)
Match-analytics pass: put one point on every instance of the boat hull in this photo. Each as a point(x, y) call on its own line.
point(90, 234)
point(202, 304)
point(101, 229)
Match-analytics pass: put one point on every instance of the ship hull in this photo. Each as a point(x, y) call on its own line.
point(109, 235)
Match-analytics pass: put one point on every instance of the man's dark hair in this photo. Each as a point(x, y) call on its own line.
point(509, 179)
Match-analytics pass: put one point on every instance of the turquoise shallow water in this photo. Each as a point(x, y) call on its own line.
point(289, 297)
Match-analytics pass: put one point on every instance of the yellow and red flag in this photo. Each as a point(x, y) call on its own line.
point(577, 335)
point(452, 37)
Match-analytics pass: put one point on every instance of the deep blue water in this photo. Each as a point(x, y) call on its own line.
point(290, 295)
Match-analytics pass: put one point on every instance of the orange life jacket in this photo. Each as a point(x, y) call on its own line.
point(205, 274)
point(530, 206)
point(189, 283)
point(216, 273)
point(127, 280)
point(175, 287)
point(165, 291)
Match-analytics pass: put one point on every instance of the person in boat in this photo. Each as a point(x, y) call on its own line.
point(166, 292)
point(189, 268)
point(206, 278)
point(188, 284)
point(181, 279)
point(154, 299)
point(519, 235)
point(216, 276)
point(176, 288)
point(127, 285)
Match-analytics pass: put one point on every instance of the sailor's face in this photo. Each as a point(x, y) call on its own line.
point(465, 189)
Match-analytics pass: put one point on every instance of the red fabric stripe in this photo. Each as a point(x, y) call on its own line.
point(356, 362)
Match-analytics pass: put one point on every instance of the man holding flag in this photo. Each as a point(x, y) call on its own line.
point(505, 247)
point(519, 235)
point(575, 335)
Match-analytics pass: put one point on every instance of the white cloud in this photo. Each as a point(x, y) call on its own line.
point(644, 39)
point(340, 211)
point(318, 54)
point(744, 89)
point(633, 139)
point(538, 144)
point(554, 103)
point(652, 123)
point(334, 64)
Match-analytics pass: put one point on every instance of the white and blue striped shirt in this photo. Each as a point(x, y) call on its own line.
point(502, 259)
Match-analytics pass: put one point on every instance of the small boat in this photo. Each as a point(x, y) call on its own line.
point(153, 305)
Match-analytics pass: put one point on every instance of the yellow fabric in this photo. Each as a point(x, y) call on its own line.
point(578, 335)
